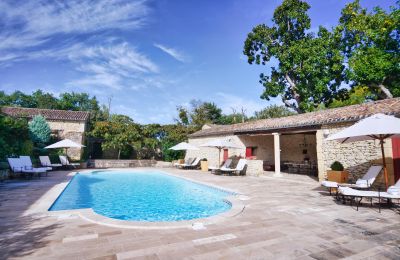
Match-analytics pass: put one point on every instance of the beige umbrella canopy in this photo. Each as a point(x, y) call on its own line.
point(66, 143)
point(376, 127)
point(183, 146)
point(221, 144)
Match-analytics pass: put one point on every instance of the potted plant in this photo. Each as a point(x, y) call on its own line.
point(337, 173)
point(204, 165)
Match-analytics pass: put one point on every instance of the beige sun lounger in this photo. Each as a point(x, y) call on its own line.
point(393, 192)
point(363, 183)
point(239, 167)
point(45, 161)
point(226, 164)
point(65, 162)
point(18, 166)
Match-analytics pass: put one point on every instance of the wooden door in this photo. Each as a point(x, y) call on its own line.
point(226, 155)
point(396, 157)
point(249, 152)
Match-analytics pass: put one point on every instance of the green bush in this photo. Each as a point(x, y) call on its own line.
point(39, 130)
point(337, 166)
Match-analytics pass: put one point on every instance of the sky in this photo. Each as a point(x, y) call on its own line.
point(147, 56)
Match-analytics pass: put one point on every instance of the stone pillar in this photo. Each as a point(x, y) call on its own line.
point(277, 155)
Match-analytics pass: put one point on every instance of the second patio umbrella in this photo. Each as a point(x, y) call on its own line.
point(66, 143)
point(220, 144)
point(376, 127)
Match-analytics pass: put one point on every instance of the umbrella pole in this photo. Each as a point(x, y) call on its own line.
point(219, 156)
point(384, 164)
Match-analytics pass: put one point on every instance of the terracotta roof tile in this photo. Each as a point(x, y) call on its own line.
point(49, 114)
point(307, 120)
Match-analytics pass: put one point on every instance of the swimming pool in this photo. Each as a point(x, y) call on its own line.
point(141, 196)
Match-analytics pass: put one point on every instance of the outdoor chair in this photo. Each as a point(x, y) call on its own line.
point(226, 165)
point(65, 162)
point(18, 166)
point(393, 192)
point(240, 168)
point(195, 164)
point(27, 162)
point(45, 161)
point(363, 183)
point(187, 162)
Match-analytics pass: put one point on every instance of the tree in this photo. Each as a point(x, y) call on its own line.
point(44, 100)
point(14, 136)
point(310, 68)
point(120, 133)
point(200, 113)
point(371, 44)
point(39, 130)
point(273, 111)
point(357, 95)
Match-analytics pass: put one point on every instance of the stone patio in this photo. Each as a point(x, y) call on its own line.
point(284, 218)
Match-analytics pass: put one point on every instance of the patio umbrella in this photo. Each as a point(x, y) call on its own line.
point(183, 146)
point(221, 144)
point(376, 127)
point(66, 143)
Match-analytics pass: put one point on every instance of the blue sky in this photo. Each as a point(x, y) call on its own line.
point(149, 56)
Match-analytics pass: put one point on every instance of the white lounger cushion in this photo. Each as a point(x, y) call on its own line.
point(239, 167)
point(27, 163)
point(395, 189)
point(329, 184)
point(365, 182)
point(227, 163)
point(45, 161)
point(366, 193)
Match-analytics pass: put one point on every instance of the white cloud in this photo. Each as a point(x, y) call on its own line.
point(176, 54)
point(227, 102)
point(32, 23)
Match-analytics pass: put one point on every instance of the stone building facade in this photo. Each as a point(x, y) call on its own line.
point(64, 124)
point(303, 137)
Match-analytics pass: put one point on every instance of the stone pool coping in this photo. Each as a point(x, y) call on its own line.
point(237, 206)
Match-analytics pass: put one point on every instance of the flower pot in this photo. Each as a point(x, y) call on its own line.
point(338, 176)
point(204, 166)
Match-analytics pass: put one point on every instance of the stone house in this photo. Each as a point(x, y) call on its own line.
point(63, 123)
point(298, 143)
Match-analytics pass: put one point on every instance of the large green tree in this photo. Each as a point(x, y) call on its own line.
point(306, 70)
point(273, 111)
point(120, 133)
point(199, 113)
point(14, 136)
point(371, 44)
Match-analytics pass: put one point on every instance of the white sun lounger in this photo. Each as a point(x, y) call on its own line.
point(239, 167)
point(188, 162)
point(363, 183)
point(18, 166)
point(393, 192)
point(226, 164)
point(65, 162)
point(26, 160)
point(194, 164)
point(45, 161)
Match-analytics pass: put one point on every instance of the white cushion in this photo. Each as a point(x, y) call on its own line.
point(329, 184)
point(394, 190)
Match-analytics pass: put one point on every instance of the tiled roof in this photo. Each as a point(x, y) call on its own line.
point(307, 120)
point(49, 114)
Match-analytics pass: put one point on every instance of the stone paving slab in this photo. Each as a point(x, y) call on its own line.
point(284, 218)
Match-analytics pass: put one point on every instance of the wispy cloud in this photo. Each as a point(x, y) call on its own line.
point(32, 23)
point(228, 102)
point(176, 54)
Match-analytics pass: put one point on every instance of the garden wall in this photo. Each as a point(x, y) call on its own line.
point(122, 163)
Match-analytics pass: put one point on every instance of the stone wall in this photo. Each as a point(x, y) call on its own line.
point(123, 163)
point(356, 157)
point(254, 167)
point(73, 130)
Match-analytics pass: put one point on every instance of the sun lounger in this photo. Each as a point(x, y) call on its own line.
point(363, 183)
point(217, 170)
point(393, 192)
point(65, 162)
point(195, 164)
point(27, 162)
point(45, 161)
point(18, 166)
point(240, 167)
point(188, 161)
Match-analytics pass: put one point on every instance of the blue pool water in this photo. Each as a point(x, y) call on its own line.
point(141, 196)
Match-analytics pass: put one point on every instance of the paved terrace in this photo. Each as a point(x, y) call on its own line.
point(284, 218)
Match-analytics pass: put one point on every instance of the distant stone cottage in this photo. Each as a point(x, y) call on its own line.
point(298, 143)
point(63, 123)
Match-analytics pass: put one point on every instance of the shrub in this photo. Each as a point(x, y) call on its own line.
point(337, 166)
point(39, 130)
